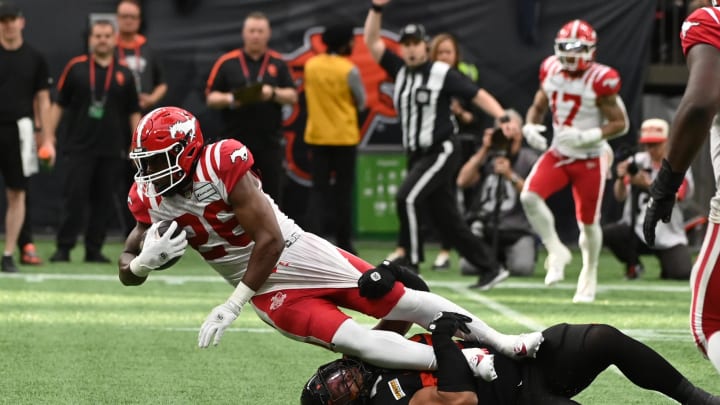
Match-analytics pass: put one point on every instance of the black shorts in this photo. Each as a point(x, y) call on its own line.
point(562, 368)
point(10, 160)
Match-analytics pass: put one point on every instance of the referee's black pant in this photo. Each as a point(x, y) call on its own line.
point(429, 182)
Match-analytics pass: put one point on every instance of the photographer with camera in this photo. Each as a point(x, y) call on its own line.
point(625, 238)
point(496, 215)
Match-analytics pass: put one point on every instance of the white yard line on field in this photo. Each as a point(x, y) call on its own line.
point(455, 285)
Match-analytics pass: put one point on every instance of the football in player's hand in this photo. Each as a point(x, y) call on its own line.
point(162, 228)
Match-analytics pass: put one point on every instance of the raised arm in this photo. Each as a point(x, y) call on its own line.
point(371, 32)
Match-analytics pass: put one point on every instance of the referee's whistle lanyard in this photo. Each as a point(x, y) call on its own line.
point(97, 106)
point(261, 72)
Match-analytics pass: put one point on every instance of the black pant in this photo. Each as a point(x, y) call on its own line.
point(572, 356)
point(90, 183)
point(675, 262)
point(429, 182)
point(324, 199)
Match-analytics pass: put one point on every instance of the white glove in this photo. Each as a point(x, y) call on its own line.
point(215, 324)
point(573, 137)
point(534, 137)
point(158, 250)
point(223, 315)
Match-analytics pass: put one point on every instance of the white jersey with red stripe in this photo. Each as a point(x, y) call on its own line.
point(573, 100)
point(703, 27)
point(207, 216)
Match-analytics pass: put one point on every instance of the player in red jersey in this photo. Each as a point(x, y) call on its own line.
point(295, 279)
point(586, 110)
point(700, 37)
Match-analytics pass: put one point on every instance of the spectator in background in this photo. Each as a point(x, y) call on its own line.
point(625, 238)
point(133, 51)
point(249, 86)
point(334, 92)
point(444, 47)
point(24, 100)
point(586, 109)
point(500, 167)
point(423, 92)
point(98, 100)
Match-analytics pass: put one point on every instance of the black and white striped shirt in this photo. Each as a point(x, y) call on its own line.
point(422, 98)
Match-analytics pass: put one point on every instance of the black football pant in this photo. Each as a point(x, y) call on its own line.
point(429, 182)
point(90, 182)
point(573, 355)
point(335, 199)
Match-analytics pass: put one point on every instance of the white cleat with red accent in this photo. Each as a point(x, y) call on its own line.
point(481, 362)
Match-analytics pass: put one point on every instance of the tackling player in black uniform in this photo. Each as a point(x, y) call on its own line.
point(572, 356)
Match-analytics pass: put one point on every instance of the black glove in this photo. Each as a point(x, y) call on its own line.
point(662, 200)
point(447, 323)
point(377, 282)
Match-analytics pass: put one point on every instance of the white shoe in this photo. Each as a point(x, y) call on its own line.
point(555, 265)
point(527, 345)
point(586, 286)
point(481, 362)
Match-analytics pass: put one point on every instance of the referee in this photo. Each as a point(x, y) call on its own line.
point(24, 101)
point(422, 95)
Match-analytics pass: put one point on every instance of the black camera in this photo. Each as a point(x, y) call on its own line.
point(499, 143)
point(623, 153)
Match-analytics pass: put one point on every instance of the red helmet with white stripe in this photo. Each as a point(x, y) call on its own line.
point(575, 45)
point(165, 147)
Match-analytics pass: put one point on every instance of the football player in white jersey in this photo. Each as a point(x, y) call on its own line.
point(295, 280)
point(700, 38)
point(586, 110)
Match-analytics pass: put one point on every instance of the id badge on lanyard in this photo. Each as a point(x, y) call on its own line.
point(96, 109)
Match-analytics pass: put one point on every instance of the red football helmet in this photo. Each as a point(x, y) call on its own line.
point(575, 45)
point(165, 146)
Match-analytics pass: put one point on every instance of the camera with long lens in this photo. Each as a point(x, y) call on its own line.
point(499, 143)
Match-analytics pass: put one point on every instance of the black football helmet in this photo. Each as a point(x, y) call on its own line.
point(341, 382)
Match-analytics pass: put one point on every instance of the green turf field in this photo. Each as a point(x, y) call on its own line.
point(72, 334)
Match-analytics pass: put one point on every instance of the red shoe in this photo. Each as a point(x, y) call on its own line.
point(29, 255)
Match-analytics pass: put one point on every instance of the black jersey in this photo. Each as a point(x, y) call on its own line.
point(395, 387)
point(23, 72)
point(256, 125)
point(422, 96)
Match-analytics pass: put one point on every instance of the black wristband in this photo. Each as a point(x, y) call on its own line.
point(453, 373)
point(374, 7)
point(272, 96)
point(504, 119)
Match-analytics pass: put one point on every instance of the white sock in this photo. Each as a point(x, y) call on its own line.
point(713, 350)
point(383, 348)
point(541, 219)
point(590, 243)
point(420, 307)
